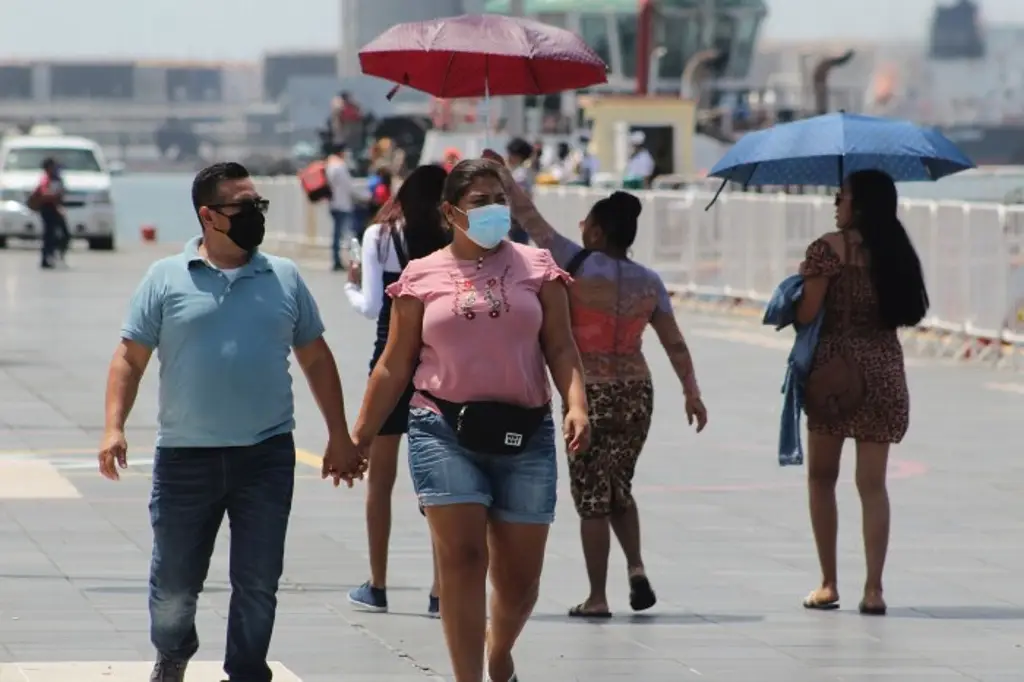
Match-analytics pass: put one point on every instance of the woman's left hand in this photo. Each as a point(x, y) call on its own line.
point(695, 411)
point(576, 429)
point(355, 274)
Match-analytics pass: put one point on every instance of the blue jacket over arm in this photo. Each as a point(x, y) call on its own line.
point(781, 313)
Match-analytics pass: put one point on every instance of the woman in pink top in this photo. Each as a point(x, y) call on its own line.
point(485, 319)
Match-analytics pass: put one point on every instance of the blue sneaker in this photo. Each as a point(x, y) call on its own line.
point(369, 598)
point(434, 607)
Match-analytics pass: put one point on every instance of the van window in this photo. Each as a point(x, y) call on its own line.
point(31, 159)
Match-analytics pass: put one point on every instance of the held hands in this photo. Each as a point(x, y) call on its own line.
point(343, 461)
point(113, 454)
point(576, 430)
point(695, 410)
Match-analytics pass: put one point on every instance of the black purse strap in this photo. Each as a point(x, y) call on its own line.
point(447, 407)
point(576, 261)
point(403, 260)
point(449, 410)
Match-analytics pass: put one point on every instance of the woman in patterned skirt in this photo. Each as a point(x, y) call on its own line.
point(868, 278)
point(613, 300)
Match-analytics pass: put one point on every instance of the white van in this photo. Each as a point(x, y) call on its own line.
point(87, 201)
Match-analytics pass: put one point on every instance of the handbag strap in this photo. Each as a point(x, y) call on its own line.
point(403, 260)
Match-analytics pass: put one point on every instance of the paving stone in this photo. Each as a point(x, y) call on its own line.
point(118, 671)
point(727, 540)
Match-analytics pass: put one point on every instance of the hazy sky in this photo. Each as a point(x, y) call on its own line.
point(242, 29)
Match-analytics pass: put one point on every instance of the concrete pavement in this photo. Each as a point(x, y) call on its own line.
point(727, 539)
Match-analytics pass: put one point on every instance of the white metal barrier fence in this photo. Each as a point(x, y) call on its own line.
point(973, 253)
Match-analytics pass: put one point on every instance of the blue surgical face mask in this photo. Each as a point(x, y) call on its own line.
point(488, 225)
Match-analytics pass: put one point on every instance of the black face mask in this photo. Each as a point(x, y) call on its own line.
point(248, 228)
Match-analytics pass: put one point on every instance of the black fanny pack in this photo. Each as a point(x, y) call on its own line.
point(491, 428)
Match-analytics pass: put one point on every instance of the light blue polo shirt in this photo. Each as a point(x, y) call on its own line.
point(223, 344)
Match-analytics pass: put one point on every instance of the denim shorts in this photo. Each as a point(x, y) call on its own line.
point(519, 488)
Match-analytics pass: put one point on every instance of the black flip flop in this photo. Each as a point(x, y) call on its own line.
point(580, 611)
point(641, 595)
point(810, 602)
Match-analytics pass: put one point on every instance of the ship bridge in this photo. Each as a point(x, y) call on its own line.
point(676, 32)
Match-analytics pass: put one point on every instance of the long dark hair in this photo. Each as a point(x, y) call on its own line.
point(617, 216)
point(417, 204)
point(894, 265)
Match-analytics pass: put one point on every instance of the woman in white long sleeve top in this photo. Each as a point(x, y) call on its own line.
point(413, 229)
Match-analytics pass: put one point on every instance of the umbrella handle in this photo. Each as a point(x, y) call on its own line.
point(717, 194)
point(398, 86)
point(487, 105)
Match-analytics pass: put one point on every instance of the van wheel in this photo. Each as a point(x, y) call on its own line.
point(3, 242)
point(101, 243)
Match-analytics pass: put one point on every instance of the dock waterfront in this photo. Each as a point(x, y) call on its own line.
point(726, 534)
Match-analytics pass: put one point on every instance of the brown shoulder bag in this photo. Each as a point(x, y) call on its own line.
point(835, 389)
point(34, 202)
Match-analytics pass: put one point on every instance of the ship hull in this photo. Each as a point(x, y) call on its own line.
point(989, 145)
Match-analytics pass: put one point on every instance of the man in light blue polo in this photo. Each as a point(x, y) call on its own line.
point(223, 318)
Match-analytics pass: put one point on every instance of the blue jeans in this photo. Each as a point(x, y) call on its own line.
point(519, 488)
point(55, 234)
point(360, 216)
point(342, 230)
point(192, 490)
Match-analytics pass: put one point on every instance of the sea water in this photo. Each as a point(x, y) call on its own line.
point(165, 199)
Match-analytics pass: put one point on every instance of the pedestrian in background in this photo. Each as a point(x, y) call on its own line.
point(867, 279)
point(342, 203)
point(613, 301)
point(48, 199)
point(520, 153)
point(409, 228)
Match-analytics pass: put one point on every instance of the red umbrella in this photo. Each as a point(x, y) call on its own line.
point(478, 55)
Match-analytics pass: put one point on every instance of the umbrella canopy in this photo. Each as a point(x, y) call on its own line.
point(477, 55)
point(824, 150)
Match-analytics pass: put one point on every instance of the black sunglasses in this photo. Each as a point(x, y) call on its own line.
point(244, 205)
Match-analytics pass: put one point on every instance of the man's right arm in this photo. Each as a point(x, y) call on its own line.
point(140, 334)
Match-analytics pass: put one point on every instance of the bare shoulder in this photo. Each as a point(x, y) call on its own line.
point(836, 242)
point(834, 239)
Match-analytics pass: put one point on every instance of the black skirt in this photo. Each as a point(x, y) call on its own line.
point(397, 422)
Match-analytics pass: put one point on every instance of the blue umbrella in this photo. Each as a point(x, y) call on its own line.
point(824, 150)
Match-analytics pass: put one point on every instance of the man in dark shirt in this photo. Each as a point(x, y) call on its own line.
point(50, 194)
